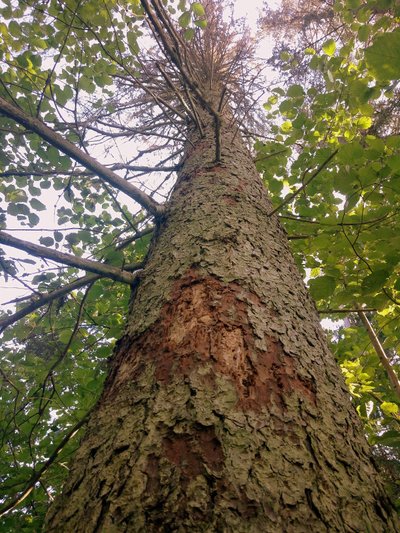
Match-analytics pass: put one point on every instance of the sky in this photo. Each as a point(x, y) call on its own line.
point(250, 9)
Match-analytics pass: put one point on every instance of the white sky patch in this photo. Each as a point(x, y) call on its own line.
point(331, 325)
point(251, 9)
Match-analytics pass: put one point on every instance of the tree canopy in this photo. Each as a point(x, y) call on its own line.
point(91, 128)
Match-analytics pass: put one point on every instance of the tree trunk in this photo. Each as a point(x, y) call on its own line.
point(224, 409)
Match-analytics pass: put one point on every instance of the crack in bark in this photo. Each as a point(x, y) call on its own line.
point(313, 507)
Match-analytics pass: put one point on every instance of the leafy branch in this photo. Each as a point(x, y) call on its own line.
point(36, 476)
point(289, 198)
point(78, 155)
point(36, 250)
point(40, 300)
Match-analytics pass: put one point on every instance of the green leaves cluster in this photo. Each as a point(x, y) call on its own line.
point(54, 374)
point(191, 18)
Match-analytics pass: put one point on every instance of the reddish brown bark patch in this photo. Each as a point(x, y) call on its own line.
point(152, 471)
point(190, 452)
point(207, 321)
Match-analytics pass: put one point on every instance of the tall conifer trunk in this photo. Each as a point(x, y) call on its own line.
point(224, 409)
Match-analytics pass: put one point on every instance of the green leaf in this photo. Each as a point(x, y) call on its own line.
point(375, 281)
point(46, 241)
point(189, 34)
point(363, 32)
point(14, 28)
point(329, 47)
point(198, 9)
point(364, 122)
point(33, 219)
point(201, 23)
point(65, 336)
point(322, 287)
point(394, 162)
point(350, 153)
point(132, 43)
point(286, 126)
point(184, 19)
point(295, 91)
point(38, 206)
point(58, 236)
point(389, 438)
point(383, 57)
point(389, 408)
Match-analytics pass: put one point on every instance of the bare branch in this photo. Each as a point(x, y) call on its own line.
point(300, 237)
point(342, 310)
point(173, 52)
point(68, 148)
point(117, 166)
point(103, 269)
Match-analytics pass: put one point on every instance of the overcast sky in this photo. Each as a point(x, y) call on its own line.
point(250, 9)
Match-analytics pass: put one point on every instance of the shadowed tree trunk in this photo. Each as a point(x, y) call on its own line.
point(224, 409)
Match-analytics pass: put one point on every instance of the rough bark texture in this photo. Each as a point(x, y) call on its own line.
point(224, 409)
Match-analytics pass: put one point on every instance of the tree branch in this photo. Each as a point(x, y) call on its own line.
point(117, 166)
point(393, 379)
point(344, 311)
point(68, 148)
point(39, 300)
point(173, 52)
point(300, 237)
point(59, 257)
point(43, 299)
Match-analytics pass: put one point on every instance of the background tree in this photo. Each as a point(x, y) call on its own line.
point(51, 377)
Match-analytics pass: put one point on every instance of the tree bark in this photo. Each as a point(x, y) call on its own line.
point(224, 409)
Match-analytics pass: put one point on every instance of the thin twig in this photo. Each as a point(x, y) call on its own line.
point(393, 379)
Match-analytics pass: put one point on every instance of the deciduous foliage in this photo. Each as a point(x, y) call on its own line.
point(83, 112)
